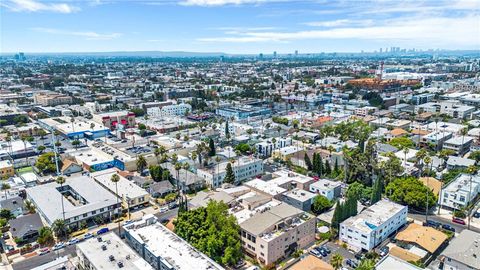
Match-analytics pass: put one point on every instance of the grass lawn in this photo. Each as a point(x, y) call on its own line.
point(24, 170)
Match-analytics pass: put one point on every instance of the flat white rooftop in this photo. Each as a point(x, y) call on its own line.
point(126, 188)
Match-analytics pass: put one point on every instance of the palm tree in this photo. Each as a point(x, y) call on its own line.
point(194, 156)
point(59, 228)
point(5, 187)
point(186, 167)
point(405, 152)
point(336, 261)
point(366, 264)
point(178, 166)
point(61, 180)
point(30, 207)
point(115, 178)
point(72, 120)
point(141, 163)
point(157, 153)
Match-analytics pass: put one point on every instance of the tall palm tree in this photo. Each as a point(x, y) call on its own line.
point(141, 163)
point(178, 166)
point(61, 180)
point(336, 261)
point(186, 167)
point(59, 227)
point(115, 178)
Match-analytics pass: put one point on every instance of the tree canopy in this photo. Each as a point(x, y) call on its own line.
point(320, 204)
point(213, 231)
point(410, 191)
point(46, 162)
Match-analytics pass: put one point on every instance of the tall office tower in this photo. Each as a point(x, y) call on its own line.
point(381, 50)
point(296, 52)
point(275, 54)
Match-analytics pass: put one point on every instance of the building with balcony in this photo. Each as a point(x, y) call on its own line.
point(277, 232)
point(368, 229)
point(460, 192)
point(244, 168)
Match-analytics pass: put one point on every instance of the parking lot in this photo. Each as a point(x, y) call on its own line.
point(335, 248)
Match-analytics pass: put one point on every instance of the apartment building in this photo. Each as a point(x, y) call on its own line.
point(114, 120)
point(460, 145)
point(52, 99)
point(435, 139)
point(131, 195)
point(244, 168)
point(83, 200)
point(460, 192)
point(463, 252)
point(108, 251)
point(163, 249)
point(369, 228)
point(6, 169)
point(170, 110)
point(364, 111)
point(327, 188)
point(266, 148)
point(276, 233)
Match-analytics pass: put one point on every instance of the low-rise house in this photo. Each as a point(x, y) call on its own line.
point(6, 169)
point(369, 228)
point(463, 252)
point(26, 227)
point(459, 162)
point(311, 263)
point(420, 241)
point(390, 262)
point(460, 145)
point(15, 205)
point(327, 188)
point(188, 181)
point(160, 189)
point(69, 167)
point(299, 198)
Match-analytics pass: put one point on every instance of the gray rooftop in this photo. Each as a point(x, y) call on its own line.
point(49, 200)
point(465, 248)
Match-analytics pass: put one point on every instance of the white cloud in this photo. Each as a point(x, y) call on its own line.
point(458, 32)
point(89, 35)
point(224, 2)
point(341, 22)
point(36, 6)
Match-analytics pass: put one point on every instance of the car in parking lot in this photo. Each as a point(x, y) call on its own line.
point(322, 251)
point(384, 251)
point(315, 253)
point(102, 231)
point(458, 221)
point(163, 209)
point(476, 214)
point(351, 263)
point(448, 227)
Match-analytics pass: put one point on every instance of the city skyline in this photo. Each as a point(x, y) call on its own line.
point(238, 26)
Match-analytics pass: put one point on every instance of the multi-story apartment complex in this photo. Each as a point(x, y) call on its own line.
point(369, 228)
point(243, 112)
point(460, 192)
point(83, 199)
point(460, 145)
point(113, 120)
point(108, 252)
point(9, 114)
point(52, 99)
point(265, 148)
point(163, 249)
point(276, 233)
point(6, 169)
point(435, 139)
point(170, 110)
point(244, 168)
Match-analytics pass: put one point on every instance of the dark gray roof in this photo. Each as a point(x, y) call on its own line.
point(465, 249)
point(160, 187)
point(139, 180)
point(24, 224)
point(385, 148)
point(12, 203)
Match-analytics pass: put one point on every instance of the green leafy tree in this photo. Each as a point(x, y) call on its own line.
point(320, 204)
point(366, 264)
point(229, 174)
point(328, 169)
point(6, 214)
point(213, 231)
point(410, 191)
point(243, 148)
point(59, 228)
point(359, 191)
point(377, 191)
point(46, 163)
point(141, 163)
point(402, 142)
point(337, 215)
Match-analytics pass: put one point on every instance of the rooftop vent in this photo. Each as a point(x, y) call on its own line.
point(104, 247)
point(111, 258)
point(99, 239)
point(120, 264)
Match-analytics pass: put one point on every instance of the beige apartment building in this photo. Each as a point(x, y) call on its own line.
point(54, 99)
point(277, 233)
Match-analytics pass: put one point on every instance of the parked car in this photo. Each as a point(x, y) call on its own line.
point(327, 249)
point(163, 209)
point(58, 246)
point(102, 231)
point(73, 241)
point(476, 214)
point(458, 221)
point(43, 251)
point(384, 251)
point(87, 236)
point(431, 223)
point(322, 251)
point(448, 227)
point(352, 263)
point(315, 253)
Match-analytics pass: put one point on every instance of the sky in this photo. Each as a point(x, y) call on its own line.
point(237, 26)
